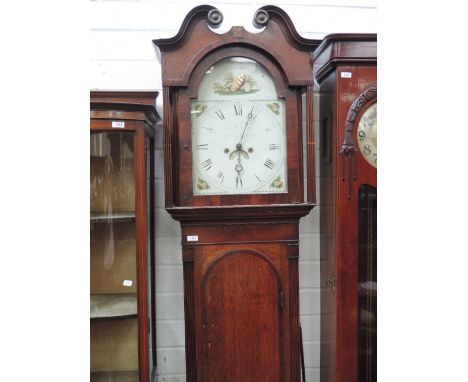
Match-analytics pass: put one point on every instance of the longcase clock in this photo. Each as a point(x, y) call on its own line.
point(345, 66)
point(234, 178)
point(122, 312)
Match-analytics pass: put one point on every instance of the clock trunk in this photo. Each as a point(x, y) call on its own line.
point(242, 300)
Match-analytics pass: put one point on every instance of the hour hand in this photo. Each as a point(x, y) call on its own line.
point(238, 181)
point(239, 169)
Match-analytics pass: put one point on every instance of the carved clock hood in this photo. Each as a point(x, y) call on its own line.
point(184, 59)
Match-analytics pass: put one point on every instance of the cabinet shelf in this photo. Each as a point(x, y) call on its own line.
point(112, 306)
point(119, 216)
point(114, 376)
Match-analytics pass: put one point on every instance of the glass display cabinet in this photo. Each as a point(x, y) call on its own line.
point(122, 303)
point(345, 67)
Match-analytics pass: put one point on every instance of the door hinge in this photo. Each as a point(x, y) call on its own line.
point(332, 283)
point(281, 299)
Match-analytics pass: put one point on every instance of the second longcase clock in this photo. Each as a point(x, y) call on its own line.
point(234, 177)
point(346, 69)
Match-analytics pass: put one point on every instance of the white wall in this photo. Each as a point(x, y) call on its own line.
point(122, 57)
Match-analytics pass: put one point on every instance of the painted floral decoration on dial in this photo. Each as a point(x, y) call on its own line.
point(233, 85)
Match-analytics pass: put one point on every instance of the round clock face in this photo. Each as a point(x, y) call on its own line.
point(238, 132)
point(367, 135)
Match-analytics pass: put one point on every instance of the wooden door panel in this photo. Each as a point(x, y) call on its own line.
point(241, 319)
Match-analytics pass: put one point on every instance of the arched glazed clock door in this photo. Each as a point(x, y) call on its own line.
point(362, 117)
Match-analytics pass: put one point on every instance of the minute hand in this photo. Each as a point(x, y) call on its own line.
point(249, 117)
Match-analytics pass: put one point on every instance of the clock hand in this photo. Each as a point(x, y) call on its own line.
point(238, 167)
point(249, 117)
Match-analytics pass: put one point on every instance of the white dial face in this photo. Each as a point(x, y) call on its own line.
point(238, 131)
point(367, 135)
point(239, 147)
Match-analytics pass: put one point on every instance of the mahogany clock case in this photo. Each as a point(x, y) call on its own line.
point(240, 251)
point(122, 321)
point(346, 69)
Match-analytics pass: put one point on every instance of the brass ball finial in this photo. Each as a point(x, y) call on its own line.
point(261, 18)
point(215, 18)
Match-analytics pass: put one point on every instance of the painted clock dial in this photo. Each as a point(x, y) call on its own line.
point(367, 135)
point(238, 131)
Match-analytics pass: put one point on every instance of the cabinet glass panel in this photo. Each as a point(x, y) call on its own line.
point(367, 292)
point(113, 313)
